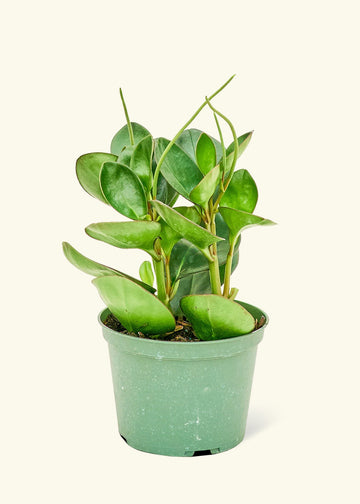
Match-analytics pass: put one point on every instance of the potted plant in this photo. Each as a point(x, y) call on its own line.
point(182, 353)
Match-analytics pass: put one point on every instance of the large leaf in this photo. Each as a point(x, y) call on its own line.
point(238, 220)
point(88, 169)
point(242, 193)
point(188, 141)
point(133, 306)
point(141, 161)
point(185, 227)
point(243, 142)
point(178, 168)
point(132, 234)
point(205, 153)
point(215, 317)
point(94, 268)
point(122, 139)
point(206, 188)
point(123, 190)
point(165, 192)
point(125, 156)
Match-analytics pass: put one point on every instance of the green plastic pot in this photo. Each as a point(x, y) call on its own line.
point(182, 398)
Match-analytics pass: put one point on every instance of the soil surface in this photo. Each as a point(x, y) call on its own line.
point(183, 330)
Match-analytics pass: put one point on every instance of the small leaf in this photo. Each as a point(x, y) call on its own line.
point(169, 237)
point(238, 220)
point(133, 234)
point(188, 141)
point(94, 268)
point(185, 227)
point(215, 317)
point(178, 168)
point(206, 188)
point(243, 142)
point(88, 169)
point(146, 273)
point(242, 193)
point(122, 138)
point(123, 190)
point(141, 161)
point(133, 306)
point(205, 153)
point(125, 156)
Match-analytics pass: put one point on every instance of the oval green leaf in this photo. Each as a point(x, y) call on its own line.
point(122, 138)
point(123, 190)
point(132, 234)
point(242, 193)
point(146, 273)
point(206, 188)
point(188, 141)
point(215, 317)
point(133, 306)
point(94, 268)
point(185, 227)
point(205, 153)
point(88, 169)
point(178, 168)
point(238, 220)
point(141, 161)
point(169, 237)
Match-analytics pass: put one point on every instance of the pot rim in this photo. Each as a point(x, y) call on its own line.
point(178, 349)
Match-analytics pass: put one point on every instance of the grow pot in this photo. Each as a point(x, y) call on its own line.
point(182, 398)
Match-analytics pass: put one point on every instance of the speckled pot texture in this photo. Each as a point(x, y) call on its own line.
point(182, 398)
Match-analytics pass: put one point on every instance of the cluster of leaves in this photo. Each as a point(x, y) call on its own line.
point(193, 248)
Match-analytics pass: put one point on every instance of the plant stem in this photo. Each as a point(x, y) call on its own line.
point(131, 133)
point(167, 276)
point(214, 261)
point(228, 266)
point(163, 155)
point(160, 281)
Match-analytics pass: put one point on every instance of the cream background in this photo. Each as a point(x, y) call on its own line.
point(297, 86)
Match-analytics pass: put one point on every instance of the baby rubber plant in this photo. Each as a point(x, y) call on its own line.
point(193, 249)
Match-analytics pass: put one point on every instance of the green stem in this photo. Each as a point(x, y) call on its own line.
point(162, 157)
point(131, 133)
point(228, 266)
point(160, 281)
point(213, 260)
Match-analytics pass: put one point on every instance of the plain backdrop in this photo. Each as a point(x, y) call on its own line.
point(297, 85)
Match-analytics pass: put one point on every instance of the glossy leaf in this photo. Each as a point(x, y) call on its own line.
point(188, 141)
point(243, 142)
point(187, 259)
point(206, 188)
point(178, 168)
point(132, 234)
point(165, 192)
point(242, 193)
point(123, 190)
point(169, 237)
point(88, 169)
point(94, 268)
point(122, 138)
point(146, 273)
point(205, 153)
point(125, 156)
point(185, 227)
point(141, 161)
point(215, 317)
point(133, 306)
point(238, 220)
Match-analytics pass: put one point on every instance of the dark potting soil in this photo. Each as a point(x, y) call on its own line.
point(183, 330)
